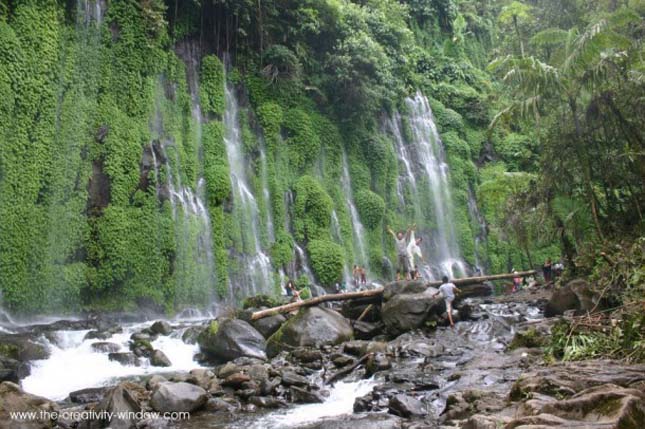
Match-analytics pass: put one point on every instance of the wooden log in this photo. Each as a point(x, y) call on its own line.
point(315, 301)
point(375, 292)
point(482, 279)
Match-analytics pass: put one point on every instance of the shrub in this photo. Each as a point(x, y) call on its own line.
point(313, 207)
point(327, 261)
point(371, 208)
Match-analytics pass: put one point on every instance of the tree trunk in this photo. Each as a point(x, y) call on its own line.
point(375, 292)
point(519, 36)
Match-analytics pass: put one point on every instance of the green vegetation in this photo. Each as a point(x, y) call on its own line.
point(538, 107)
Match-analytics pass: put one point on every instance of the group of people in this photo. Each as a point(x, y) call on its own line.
point(359, 275)
point(408, 253)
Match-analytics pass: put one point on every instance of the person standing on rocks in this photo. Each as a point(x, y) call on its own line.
point(414, 251)
point(448, 290)
point(363, 276)
point(401, 244)
point(547, 271)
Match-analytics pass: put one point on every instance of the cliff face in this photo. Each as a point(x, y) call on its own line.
point(172, 154)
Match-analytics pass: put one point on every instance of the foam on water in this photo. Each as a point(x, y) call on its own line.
point(74, 365)
point(340, 401)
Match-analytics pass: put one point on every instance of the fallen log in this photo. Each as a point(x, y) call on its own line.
point(315, 301)
point(482, 279)
point(375, 292)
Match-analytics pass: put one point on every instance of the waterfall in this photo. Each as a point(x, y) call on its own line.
point(266, 195)
point(194, 263)
point(425, 171)
point(357, 227)
point(92, 11)
point(256, 273)
point(338, 236)
point(481, 236)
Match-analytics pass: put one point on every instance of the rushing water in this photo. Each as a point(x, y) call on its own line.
point(360, 251)
point(481, 234)
point(340, 401)
point(73, 364)
point(425, 170)
point(256, 274)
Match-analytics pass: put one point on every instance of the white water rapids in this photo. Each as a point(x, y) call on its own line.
point(74, 365)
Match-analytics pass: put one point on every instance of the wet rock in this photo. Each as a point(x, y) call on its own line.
point(404, 312)
point(366, 330)
point(159, 358)
point(377, 362)
point(123, 398)
point(268, 387)
point(228, 369)
point(598, 407)
point(142, 337)
point(14, 399)
point(404, 288)
point(406, 406)
point(567, 379)
point(153, 381)
point(304, 396)
point(461, 405)
point(290, 378)
point(356, 347)
point(142, 348)
point(177, 397)
point(258, 373)
point(312, 326)
point(161, 327)
point(124, 358)
point(266, 402)
point(201, 377)
point(13, 370)
point(218, 404)
point(22, 348)
point(105, 347)
point(267, 326)
point(98, 335)
point(480, 421)
point(236, 380)
point(234, 338)
point(190, 335)
point(364, 421)
point(307, 355)
point(341, 360)
point(86, 396)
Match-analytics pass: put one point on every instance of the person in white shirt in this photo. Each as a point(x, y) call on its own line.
point(414, 251)
point(447, 290)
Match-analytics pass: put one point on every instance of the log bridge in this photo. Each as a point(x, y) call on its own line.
point(286, 308)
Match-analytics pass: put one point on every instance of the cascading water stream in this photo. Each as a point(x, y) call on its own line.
point(357, 226)
point(74, 363)
point(256, 276)
point(481, 235)
point(424, 163)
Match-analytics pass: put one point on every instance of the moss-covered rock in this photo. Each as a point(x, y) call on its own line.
point(311, 327)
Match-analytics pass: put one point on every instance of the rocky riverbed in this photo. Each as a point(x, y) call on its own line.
point(398, 367)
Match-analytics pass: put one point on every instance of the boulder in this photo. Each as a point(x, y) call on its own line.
point(191, 334)
point(105, 347)
point(98, 335)
point(404, 287)
point(602, 406)
point(407, 311)
point(300, 395)
point(575, 295)
point(406, 406)
point(86, 396)
point(123, 398)
point(22, 348)
point(267, 326)
point(313, 327)
point(290, 378)
point(14, 399)
point(159, 358)
point(177, 397)
point(234, 338)
point(161, 327)
point(124, 358)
